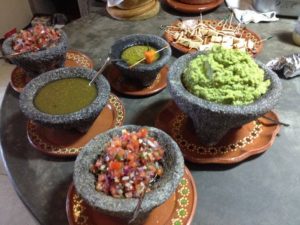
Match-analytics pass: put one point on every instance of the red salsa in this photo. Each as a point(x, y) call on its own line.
point(129, 164)
point(35, 38)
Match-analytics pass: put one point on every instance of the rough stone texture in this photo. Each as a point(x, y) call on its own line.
point(80, 120)
point(84, 180)
point(212, 120)
point(145, 73)
point(35, 63)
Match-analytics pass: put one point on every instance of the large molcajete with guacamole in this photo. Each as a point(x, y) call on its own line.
point(220, 97)
point(63, 98)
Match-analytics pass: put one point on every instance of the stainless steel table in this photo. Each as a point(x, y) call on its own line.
point(262, 190)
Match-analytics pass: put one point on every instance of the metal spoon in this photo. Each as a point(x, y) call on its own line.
point(100, 70)
point(141, 198)
point(276, 121)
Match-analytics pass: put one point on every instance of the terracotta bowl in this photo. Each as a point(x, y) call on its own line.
point(212, 120)
point(145, 74)
point(79, 120)
point(123, 208)
point(35, 63)
point(197, 2)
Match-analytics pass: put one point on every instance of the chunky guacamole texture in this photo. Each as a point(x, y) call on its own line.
point(225, 76)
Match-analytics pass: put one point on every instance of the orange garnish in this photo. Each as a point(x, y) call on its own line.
point(150, 56)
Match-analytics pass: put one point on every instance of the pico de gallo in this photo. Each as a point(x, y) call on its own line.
point(129, 164)
point(35, 38)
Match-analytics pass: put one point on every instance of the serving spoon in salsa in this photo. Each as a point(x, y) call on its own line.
point(108, 60)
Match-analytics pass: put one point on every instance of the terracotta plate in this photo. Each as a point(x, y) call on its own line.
point(193, 8)
point(179, 209)
point(248, 34)
point(68, 143)
point(18, 78)
point(250, 139)
point(121, 85)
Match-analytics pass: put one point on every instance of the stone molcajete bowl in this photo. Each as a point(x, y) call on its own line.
point(80, 120)
point(123, 208)
point(212, 120)
point(145, 74)
point(35, 63)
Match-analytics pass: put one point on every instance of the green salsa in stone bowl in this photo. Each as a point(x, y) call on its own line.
point(143, 73)
point(63, 98)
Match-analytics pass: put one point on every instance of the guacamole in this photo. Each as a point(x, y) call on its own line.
point(225, 76)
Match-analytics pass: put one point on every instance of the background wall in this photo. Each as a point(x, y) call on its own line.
point(14, 13)
point(42, 6)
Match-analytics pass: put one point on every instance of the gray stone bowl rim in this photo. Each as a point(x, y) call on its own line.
point(141, 39)
point(259, 106)
point(30, 90)
point(98, 200)
point(38, 55)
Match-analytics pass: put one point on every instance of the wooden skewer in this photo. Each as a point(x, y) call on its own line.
point(265, 39)
point(141, 60)
point(230, 20)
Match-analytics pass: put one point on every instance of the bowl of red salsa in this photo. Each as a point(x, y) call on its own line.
point(37, 49)
point(124, 164)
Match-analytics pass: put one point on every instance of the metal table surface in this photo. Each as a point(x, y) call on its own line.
point(261, 190)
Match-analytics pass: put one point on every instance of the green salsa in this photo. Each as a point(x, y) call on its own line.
point(225, 76)
point(65, 96)
point(135, 53)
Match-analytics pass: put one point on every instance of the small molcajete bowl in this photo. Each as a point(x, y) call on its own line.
point(212, 120)
point(80, 120)
point(123, 208)
point(35, 63)
point(145, 74)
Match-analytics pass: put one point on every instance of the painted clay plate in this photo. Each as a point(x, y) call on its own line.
point(193, 8)
point(123, 86)
point(74, 58)
point(246, 34)
point(179, 209)
point(250, 139)
point(68, 143)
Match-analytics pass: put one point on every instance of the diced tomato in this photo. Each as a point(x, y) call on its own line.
point(130, 163)
point(121, 153)
point(115, 165)
point(117, 142)
point(131, 156)
point(152, 168)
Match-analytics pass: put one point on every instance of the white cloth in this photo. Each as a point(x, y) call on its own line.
point(245, 13)
point(112, 3)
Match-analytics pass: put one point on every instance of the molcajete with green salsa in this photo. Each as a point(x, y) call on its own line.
point(65, 96)
point(135, 53)
point(225, 76)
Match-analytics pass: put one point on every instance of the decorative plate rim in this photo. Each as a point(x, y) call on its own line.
point(150, 90)
point(221, 159)
point(179, 191)
point(73, 151)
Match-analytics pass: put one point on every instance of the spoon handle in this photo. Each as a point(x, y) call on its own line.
point(100, 70)
point(276, 121)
